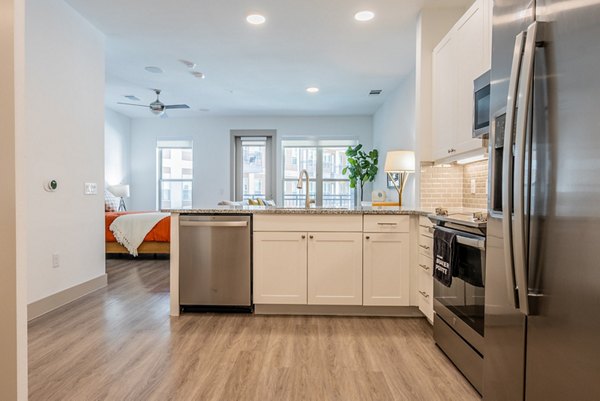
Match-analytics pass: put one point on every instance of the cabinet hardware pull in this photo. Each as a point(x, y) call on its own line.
point(304, 236)
point(388, 224)
point(424, 246)
point(367, 237)
point(311, 236)
point(426, 295)
point(424, 266)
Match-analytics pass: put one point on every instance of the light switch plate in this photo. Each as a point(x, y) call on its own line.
point(90, 188)
point(473, 186)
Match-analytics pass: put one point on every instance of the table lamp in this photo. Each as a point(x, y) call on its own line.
point(120, 191)
point(401, 162)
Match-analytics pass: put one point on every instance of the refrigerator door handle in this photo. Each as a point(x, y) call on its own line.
point(507, 168)
point(518, 226)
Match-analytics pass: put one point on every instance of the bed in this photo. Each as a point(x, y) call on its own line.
point(156, 241)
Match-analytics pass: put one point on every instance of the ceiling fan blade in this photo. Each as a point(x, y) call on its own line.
point(177, 106)
point(133, 104)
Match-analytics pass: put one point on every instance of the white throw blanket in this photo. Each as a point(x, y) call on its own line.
point(131, 229)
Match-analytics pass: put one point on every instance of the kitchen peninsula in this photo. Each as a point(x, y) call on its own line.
point(357, 261)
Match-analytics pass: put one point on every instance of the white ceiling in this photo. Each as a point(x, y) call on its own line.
point(256, 70)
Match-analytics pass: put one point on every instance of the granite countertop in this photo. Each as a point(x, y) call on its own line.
point(376, 210)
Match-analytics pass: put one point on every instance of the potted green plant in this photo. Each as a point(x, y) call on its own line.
point(362, 167)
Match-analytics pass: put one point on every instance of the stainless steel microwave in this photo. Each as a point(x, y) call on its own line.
point(481, 106)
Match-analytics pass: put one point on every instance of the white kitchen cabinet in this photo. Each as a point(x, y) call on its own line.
point(445, 88)
point(335, 268)
point(386, 272)
point(280, 267)
point(462, 55)
point(425, 268)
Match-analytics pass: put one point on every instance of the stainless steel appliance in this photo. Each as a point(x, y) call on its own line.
point(459, 309)
point(481, 106)
point(214, 262)
point(542, 303)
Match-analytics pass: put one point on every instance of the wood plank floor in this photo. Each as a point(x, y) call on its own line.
point(119, 343)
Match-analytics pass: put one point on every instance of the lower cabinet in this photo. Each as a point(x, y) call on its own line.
point(280, 264)
point(335, 268)
point(386, 269)
point(308, 268)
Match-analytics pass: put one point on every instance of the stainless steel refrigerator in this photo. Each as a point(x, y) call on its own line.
point(542, 312)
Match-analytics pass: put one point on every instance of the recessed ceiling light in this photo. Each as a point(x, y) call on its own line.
point(364, 16)
point(256, 19)
point(312, 89)
point(198, 74)
point(154, 69)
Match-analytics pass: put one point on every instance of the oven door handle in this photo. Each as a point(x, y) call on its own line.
point(471, 242)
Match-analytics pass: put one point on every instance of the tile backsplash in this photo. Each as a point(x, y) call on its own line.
point(450, 185)
point(475, 174)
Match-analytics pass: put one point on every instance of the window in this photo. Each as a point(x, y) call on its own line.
point(175, 182)
point(253, 155)
point(324, 163)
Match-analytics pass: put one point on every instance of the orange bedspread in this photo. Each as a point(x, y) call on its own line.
point(160, 233)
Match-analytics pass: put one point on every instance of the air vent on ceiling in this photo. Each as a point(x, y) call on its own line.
point(375, 91)
point(131, 97)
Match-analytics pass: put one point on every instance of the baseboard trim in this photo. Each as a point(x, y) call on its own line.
point(338, 310)
point(61, 298)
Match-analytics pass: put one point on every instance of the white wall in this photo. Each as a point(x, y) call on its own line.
point(211, 138)
point(394, 129)
point(64, 92)
point(117, 148)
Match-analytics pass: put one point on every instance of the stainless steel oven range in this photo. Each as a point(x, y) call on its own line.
point(459, 308)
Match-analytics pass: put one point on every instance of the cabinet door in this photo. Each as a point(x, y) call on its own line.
point(280, 263)
point(444, 107)
point(335, 268)
point(386, 272)
point(472, 50)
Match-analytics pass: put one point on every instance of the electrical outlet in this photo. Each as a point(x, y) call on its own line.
point(473, 186)
point(55, 260)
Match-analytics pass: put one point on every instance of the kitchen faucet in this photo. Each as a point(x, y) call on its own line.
point(299, 186)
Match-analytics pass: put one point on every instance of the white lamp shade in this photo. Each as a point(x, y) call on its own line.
point(120, 191)
point(399, 161)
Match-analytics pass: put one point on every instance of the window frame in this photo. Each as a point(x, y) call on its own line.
point(162, 180)
point(319, 180)
point(237, 181)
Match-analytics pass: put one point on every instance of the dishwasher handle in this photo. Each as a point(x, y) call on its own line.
point(214, 223)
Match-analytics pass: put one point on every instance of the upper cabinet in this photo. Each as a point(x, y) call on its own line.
point(461, 56)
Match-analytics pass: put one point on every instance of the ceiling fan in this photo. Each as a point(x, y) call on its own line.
point(157, 107)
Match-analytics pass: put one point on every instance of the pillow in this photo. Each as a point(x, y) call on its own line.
point(269, 202)
point(253, 202)
point(111, 202)
point(261, 202)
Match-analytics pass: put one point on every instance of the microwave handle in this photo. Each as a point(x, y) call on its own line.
point(519, 235)
point(507, 168)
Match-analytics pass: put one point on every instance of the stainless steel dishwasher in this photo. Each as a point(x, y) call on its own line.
point(215, 262)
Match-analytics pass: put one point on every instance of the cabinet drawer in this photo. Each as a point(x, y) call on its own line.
point(425, 264)
point(425, 222)
point(302, 222)
point(426, 231)
point(386, 224)
point(426, 246)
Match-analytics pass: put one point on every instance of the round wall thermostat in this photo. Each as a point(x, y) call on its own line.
point(51, 186)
